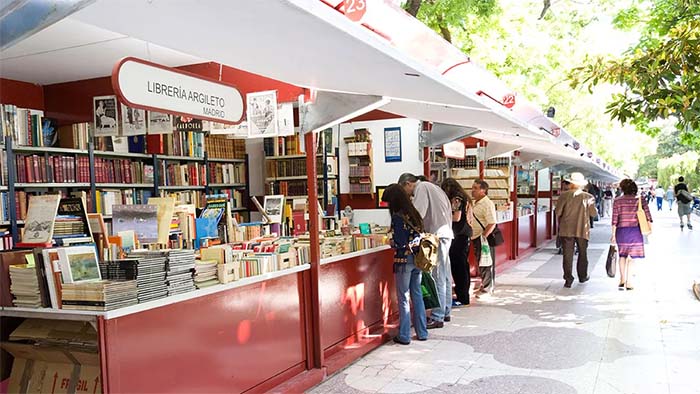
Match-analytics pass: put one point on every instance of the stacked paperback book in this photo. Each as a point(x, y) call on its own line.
point(150, 277)
point(101, 295)
point(25, 286)
point(180, 267)
point(205, 273)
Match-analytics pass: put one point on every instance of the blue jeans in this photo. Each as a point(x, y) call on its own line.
point(408, 279)
point(659, 203)
point(443, 281)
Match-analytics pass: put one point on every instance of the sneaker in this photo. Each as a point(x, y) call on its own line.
point(401, 342)
point(456, 304)
point(584, 280)
point(434, 324)
point(681, 226)
point(690, 226)
point(448, 319)
point(568, 283)
point(422, 339)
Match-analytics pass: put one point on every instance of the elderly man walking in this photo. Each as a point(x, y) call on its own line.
point(435, 209)
point(574, 210)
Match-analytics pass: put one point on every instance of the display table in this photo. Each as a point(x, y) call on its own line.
point(245, 335)
point(358, 303)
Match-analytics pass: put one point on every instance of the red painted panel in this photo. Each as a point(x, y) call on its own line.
point(21, 94)
point(355, 294)
point(71, 102)
point(248, 82)
point(503, 252)
point(541, 228)
point(375, 115)
point(226, 342)
point(525, 232)
point(357, 201)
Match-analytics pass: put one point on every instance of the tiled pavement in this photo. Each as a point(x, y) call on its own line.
point(535, 337)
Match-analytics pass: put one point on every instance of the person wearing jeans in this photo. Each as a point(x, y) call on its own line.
point(436, 211)
point(659, 197)
point(406, 225)
point(485, 223)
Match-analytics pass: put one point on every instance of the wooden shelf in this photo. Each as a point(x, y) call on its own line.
point(227, 185)
point(219, 160)
point(179, 158)
point(292, 156)
point(296, 178)
point(47, 149)
point(126, 155)
point(50, 185)
point(183, 187)
point(124, 185)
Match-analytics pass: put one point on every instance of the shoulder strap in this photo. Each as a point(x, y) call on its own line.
point(479, 221)
point(411, 225)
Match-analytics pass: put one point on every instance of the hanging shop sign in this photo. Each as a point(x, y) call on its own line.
point(355, 9)
point(454, 150)
point(509, 100)
point(556, 131)
point(145, 85)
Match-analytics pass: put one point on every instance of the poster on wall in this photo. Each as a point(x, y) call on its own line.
point(392, 144)
point(105, 115)
point(261, 111)
point(285, 118)
point(159, 123)
point(133, 121)
point(380, 193)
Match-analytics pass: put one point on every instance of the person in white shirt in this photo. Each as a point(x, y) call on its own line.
point(485, 222)
point(435, 209)
point(659, 193)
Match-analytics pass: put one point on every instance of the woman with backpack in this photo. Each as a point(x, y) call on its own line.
point(462, 228)
point(406, 225)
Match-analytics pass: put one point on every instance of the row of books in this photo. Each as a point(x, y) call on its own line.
point(75, 136)
point(219, 147)
point(290, 167)
point(121, 171)
point(190, 197)
point(187, 143)
point(23, 125)
point(283, 146)
point(6, 242)
point(236, 196)
point(292, 188)
point(107, 198)
point(63, 169)
point(227, 172)
point(176, 174)
point(361, 188)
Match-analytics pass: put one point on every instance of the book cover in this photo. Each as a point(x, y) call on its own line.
point(164, 214)
point(41, 213)
point(142, 219)
point(79, 264)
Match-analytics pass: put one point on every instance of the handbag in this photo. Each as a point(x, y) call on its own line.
point(642, 218)
point(429, 291)
point(485, 259)
point(496, 236)
point(611, 262)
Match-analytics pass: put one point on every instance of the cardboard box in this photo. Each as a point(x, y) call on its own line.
point(52, 369)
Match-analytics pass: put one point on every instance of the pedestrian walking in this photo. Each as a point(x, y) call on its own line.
point(485, 223)
point(607, 202)
point(626, 231)
point(659, 197)
point(462, 229)
point(436, 211)
point(670, 196)
point(574, 210)
point(406, 225)
point(685, 201)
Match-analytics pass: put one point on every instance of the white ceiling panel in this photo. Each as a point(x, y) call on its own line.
point(64, 34)
point(303, 42)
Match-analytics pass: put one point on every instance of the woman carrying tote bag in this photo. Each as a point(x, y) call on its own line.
point(631, 217)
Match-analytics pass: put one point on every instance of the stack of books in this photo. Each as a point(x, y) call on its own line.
point(180, 271)
point(70, 230)
point(205, 273)
point(24, 286)
point(151, 274)
point(101, 295)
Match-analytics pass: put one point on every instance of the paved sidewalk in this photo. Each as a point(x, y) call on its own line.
point(535, 337)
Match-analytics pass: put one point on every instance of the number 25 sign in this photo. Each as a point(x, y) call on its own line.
point(355, 9)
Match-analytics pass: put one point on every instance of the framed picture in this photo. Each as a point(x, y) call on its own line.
point(105, 115)
point(261, 111)
point(142, 219)
point(380, 192)
point(133, 121)
point(159, 123)
point(392, 144)
point(79, 264)
point(274, 208)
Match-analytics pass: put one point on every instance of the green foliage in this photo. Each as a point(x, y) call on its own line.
point(686, 165)
point(660, 75)
point(448, 16)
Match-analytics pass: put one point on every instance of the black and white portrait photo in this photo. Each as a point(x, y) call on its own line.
point(133, 121)
point(262, 114)
point(105, 115)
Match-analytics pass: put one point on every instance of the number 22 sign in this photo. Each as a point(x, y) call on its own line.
point(355, 9)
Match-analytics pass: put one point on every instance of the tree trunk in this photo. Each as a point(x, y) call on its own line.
point(444, 30)
point(413, 6)
point(545, 7)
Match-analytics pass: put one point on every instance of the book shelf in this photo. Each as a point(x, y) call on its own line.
point(115, 177)
point(285, 169)
point(360, 162)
